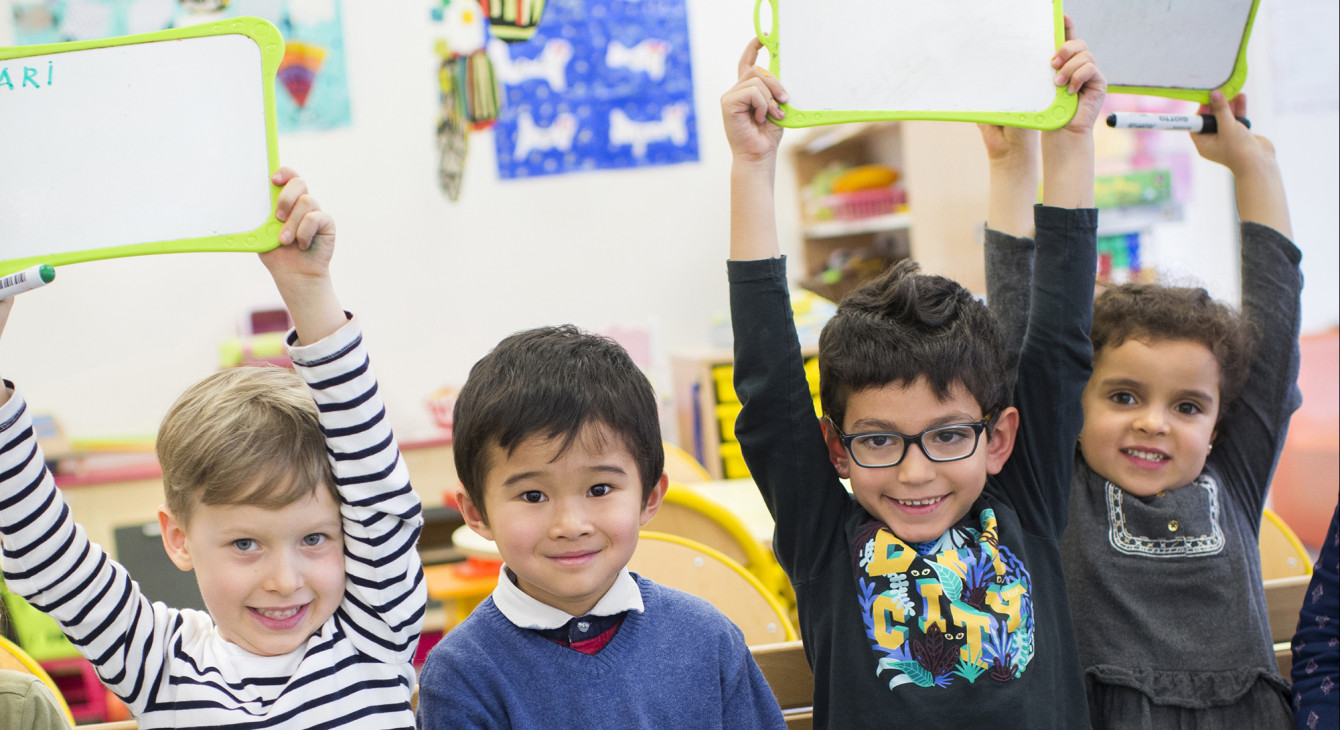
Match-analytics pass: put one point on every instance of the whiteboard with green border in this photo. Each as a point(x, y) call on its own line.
point(154, 143)
point(1182, 49)
point(956, 60)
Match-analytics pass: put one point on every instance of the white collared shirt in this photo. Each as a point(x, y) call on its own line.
point(529, 613)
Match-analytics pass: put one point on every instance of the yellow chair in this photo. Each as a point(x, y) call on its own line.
point(682, 467)
point(1286, 569)
point(695, 568)
point(1282, 553)
point(15, 658)
point(688, 514)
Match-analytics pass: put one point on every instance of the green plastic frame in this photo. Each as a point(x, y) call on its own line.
point(1053, 117)
point(1231, 88)
point(264, 237)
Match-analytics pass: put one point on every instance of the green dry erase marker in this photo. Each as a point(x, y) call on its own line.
point(30, 278)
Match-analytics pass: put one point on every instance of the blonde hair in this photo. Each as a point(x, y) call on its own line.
point(243, 436)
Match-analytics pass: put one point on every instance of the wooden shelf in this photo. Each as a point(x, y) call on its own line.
point(859, 226)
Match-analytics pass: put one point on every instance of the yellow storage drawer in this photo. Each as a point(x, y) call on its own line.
point(732, 461)
point(724, 378)
point(726, 415)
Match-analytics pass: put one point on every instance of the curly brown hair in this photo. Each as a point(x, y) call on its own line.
point(1154, 312)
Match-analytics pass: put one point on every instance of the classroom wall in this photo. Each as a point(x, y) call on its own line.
point(436, 284)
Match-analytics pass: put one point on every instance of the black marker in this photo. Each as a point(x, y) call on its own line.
point(1203, 123)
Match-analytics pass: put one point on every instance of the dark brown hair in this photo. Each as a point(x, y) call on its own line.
point(907, 325)
point(1151, 312)
point(551, 383)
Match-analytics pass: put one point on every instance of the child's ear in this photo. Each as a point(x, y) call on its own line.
point(174, 539)
point(655, 499)
point(1000, 439)
point(837, 453)
point(474, 517)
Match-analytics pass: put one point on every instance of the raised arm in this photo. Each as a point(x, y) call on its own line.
point(1252, 433)
point(385, 597)
point(753, 141)
point(1056, 358)
point(1012, 157)
point(778, 432)
point(1251, 159)
point(300, 265)
point(1067, 153)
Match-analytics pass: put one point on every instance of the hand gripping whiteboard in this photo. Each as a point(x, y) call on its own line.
point(1182, 49)
point(955, 60)
point(154, 143)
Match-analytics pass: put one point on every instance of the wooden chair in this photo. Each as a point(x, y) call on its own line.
point(686, 514)
point(681, 467)
point(693, 567)
point(788, 673)
point(15, 658)
point(1286, 569)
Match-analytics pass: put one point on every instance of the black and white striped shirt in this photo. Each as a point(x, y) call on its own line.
point(171, 666)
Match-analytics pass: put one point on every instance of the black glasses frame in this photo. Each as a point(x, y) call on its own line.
point(908, 440)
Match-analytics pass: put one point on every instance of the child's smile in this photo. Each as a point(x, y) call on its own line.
point(565, 522)
point(270, 577)
point(1149, 414)
point(917, 498)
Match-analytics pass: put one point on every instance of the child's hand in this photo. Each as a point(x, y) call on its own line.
point(300, 265)
point(1251, 158)
point(6, 305)
point(1012, 154)
point(307, 239)
point(1233, 145)
point(746, 107)
point(1009, 145)
point(1077, 71)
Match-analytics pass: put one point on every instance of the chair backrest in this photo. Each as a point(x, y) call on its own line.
point(695, 568)
point(1286, 569)
point(788, 673)
point(681, 467)
point(13, 657)
point(1282, 553)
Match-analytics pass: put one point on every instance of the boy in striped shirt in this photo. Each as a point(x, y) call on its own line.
point(286, 495)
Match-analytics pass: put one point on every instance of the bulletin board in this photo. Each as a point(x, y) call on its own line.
point(1181, 50)
point(957, 60)
point(153, 143)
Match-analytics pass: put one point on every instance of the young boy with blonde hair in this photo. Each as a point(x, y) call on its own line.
point(558, 445)
point(286, 494)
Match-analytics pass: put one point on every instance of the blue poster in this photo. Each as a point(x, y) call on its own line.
point(603, 84)
point(311, 86)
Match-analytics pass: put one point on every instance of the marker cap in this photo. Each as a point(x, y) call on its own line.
point(47, 273)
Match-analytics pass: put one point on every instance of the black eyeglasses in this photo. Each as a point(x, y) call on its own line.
point(879, 449)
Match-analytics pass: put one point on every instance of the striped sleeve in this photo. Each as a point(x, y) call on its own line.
point(51, 563)
point(385, 598)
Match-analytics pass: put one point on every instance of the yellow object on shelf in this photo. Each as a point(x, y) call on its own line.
point(865, 177)
point(724, 377)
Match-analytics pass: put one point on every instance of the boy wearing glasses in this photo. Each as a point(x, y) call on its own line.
point(932, 593)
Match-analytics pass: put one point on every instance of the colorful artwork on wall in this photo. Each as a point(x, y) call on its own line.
point(602, 84)
point(312, 86)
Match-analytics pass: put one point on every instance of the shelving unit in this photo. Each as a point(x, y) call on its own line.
point(706, 407)
point(942, 167)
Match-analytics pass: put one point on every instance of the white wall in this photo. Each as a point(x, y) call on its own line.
point(110, 344)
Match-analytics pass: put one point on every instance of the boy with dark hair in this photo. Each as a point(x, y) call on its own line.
point(557, 443)
point(932, 593)
point(285, 493)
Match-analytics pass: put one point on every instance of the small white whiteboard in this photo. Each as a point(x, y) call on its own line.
point(154, 143)
point(1177, 48)
point(962, 60)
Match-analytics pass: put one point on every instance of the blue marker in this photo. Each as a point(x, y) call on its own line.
point(22, 281)
point(1202, 123)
